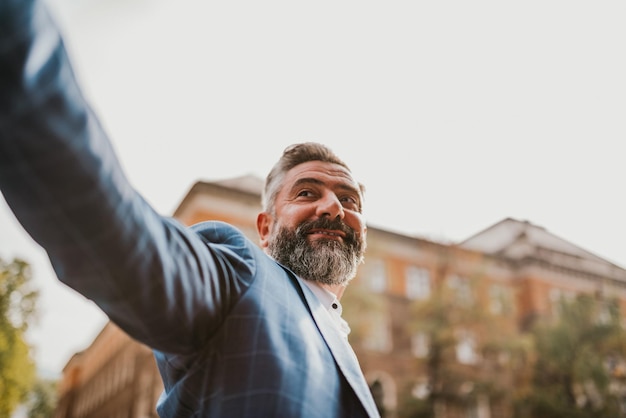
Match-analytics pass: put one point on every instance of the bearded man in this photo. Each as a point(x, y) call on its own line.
point(237, 330)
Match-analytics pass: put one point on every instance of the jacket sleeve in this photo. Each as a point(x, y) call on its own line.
point(59, 174)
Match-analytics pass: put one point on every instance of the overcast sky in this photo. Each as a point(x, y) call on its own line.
point(454, 114)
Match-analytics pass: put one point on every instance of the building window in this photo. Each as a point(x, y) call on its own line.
point(500, 300)
point(479, 408)
point(417, 283)
point(604, 315)
point(375, 275)
point(421, 390)
point(378, 334)
point(420, 345)
point(466, 348)
point(462, 290)
point(557, 298)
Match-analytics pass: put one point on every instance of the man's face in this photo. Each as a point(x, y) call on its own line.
point(317, 230)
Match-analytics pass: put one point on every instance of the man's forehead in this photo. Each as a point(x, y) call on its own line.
point(321, 171)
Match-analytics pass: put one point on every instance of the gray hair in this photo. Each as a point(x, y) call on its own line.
point(294, 155)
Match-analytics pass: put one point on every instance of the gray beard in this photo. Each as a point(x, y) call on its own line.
point(326, 261)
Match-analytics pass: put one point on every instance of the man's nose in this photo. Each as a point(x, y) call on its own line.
point(329, 205)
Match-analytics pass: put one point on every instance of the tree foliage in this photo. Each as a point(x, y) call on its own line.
point(17, 309)
point(581, 362)
point(42, 399)
point(494, 368)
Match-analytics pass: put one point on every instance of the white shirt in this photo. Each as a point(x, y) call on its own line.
point(332, 305)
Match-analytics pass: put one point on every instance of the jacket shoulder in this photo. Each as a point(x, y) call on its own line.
point(219, 232)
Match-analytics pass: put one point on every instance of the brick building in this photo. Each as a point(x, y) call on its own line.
point(514, 269)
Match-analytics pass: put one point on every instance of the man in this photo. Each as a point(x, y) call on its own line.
point(236, 333)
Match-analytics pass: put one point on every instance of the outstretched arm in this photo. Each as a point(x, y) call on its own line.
point(60, 176)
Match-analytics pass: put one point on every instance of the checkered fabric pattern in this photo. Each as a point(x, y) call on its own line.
point(234, 333)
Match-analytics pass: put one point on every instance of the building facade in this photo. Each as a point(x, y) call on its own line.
point(514, 270)
point(115, 377)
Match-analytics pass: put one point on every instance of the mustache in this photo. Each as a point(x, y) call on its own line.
point(326, 223)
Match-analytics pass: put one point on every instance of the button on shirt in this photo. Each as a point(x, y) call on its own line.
point(332, 305)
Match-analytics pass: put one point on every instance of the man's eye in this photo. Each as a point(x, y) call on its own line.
point(349, 200)
point(305, 193)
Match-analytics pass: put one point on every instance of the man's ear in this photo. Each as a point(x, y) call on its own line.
point(263, 227)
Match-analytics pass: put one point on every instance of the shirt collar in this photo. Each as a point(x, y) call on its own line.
point(326, 297)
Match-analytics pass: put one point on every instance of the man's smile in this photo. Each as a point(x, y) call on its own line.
point(331, 233)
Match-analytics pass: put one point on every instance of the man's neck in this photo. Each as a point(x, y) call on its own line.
point(336, 289)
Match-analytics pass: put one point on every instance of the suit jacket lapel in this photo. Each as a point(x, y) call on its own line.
point(341, 350)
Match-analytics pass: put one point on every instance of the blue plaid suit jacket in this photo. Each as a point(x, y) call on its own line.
point(234, 333)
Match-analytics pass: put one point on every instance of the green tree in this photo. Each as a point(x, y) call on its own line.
point(42, 400)
point(471, 353)
point(581, 362)
point(360, 307)
point(17, 309)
